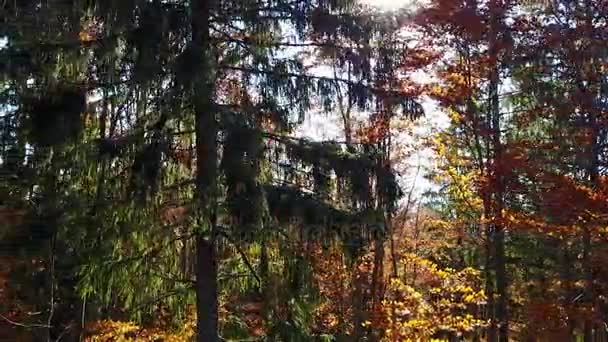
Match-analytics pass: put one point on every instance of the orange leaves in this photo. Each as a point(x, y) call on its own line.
point(91, 31)
point(332, 278)
point(418, 58)
point(377, 129)
point(568, 203)
point(521, 222)
point(458, 83)
point(453, 92)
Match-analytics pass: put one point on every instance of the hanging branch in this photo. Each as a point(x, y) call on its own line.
point(243, 256)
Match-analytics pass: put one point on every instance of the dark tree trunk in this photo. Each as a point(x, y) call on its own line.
point(593, 171)
point(489, 277)
point(358, 305)
point(501, 287)
point(206, 164)
point(502, 314)
point(593, 163)
point(206, 291)
point(378, 271)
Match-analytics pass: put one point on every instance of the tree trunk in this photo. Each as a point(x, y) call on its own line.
point(501, 287)
point(206, 164)
point(489, 278)
point(357, 298)
point(378, 272)
point(593, 171)
point(502, 314)
point(588, 294)
point(593, 164)
point(206, 291)
point(565, 265)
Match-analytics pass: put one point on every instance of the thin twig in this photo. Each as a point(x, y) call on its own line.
point(23, 325)
point(243, 256)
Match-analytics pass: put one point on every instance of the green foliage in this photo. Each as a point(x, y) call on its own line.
point(98, 143)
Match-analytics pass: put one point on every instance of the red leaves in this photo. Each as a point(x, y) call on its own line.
point(456, 15)
point(546, 319)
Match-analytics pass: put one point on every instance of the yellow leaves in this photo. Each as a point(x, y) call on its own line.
point(457, 172)
point(442, 274)
point(116, 331)
point(112, 331)
point(579, 284)
point(437, 299)
point(469, 298)
point(436, 90)
point(85, 36)
point(455, 116)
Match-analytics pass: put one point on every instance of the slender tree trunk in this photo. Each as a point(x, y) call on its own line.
point(593, 171)
point(378, 272)
point(83, 317)
point(206, 164)
point(382, 205)
point(416, 236)
point(565, 263)
point(593, 163)
point(588, 291)
point(489, 277)
point(502, 314)
point(52, 281)
point(357, 298)
point(356, 277)
point(501, 287)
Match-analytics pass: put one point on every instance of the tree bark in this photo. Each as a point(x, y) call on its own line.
point(502, 314)
point(489, 277)
point(593, 172)
point(206, 164)
point(206, 291)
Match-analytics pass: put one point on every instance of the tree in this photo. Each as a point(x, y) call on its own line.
point(564, 105)
point(179, 82)
point(480, 38)
point(531, 166)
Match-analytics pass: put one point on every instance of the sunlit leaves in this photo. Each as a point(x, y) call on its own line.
point(436, 302)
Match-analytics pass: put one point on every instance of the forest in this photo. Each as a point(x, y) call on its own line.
point(160, 178)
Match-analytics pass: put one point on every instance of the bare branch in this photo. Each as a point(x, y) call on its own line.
point(24, 325)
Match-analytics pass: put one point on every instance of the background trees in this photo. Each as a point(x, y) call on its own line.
point(536, 174)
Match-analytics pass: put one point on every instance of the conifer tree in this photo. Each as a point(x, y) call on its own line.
point(167, 102)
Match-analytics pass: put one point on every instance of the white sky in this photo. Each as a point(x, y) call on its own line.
point(319, 126)
point(388, 4)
